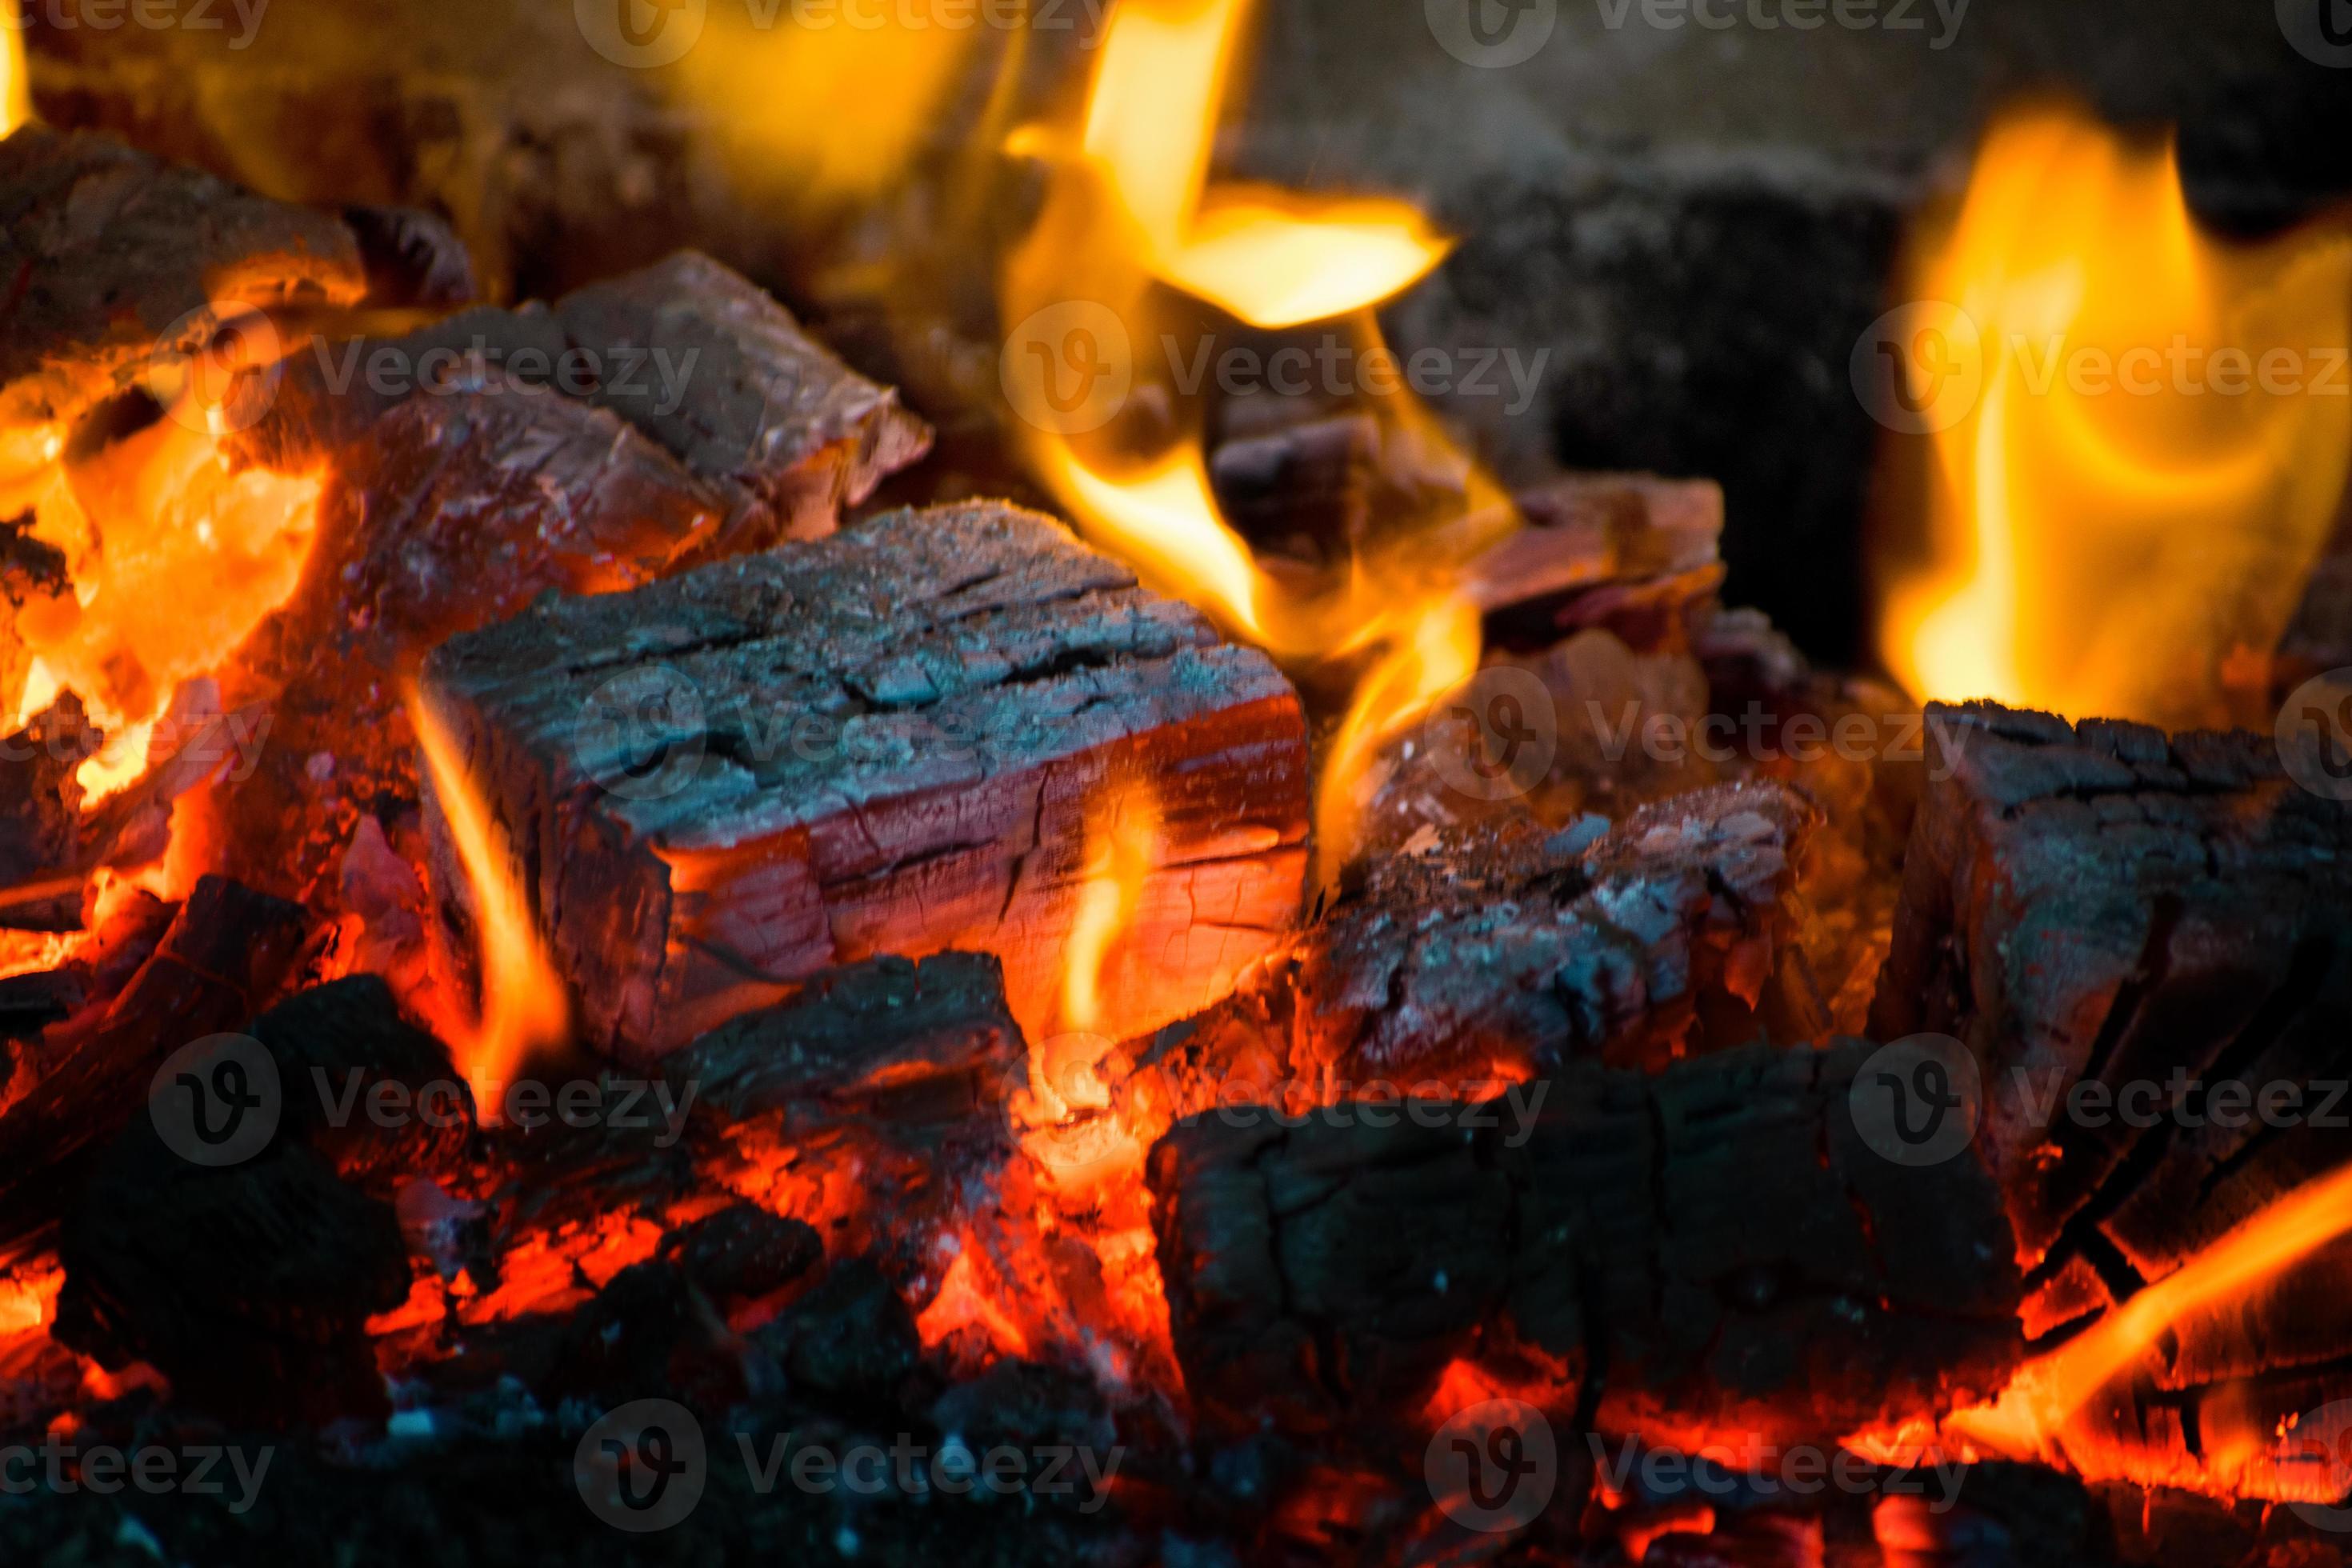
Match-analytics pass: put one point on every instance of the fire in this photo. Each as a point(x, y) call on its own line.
point(1130, 211)
point(2145, 435)
point(15, 86)
point(1122, 846)
point(963, 1303)
point(2039, 1416)
point(524, 1006)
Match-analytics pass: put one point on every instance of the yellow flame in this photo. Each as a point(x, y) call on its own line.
point(2119, 520)
point(524, 1006)
point(1122, 848)
point(1130, 209)
point(2047, 1392)
point(15, 81)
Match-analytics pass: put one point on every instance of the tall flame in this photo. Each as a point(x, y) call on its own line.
point(2145, 435)
point(524, 1006)
point(1122, 848)
point(15, 83)
point(1130, 210)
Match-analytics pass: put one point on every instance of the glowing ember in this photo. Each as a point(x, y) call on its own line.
point(2138, 438)
point(1130, 208)
point(524, 1006)
point(1122, 846)
point(963, 1303)
point(15, 88)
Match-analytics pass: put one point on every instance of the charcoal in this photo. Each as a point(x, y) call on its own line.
point(345, 1048)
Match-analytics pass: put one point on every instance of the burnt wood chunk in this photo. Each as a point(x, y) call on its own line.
point(1507, 945)
point(2166, 924)
point(928, 1042)
point(1629, 552)
point(1706, 1254)
point(711, 366)
point(889, 741)
point(377, 1096)
point(414, 260)
point(111, 257)
point(41, 819)
point(249, 1286)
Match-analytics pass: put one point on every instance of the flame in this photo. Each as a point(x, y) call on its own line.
point(1130, 210)
point(2127, 541)
point(15, 80)
point(962, 1302)
point(1122, 848)
point(524, 1006)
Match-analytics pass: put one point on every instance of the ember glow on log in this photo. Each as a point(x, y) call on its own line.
point(2138, 435)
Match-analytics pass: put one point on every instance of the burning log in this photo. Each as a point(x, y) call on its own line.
point(114, 258)
point(1632, 553)
point(227, 954)
point(1709, 1251)
point(765, 415)
point(41, 819)
point(2095, 904)
point(342, 1049)
point(885, 742)
point(1508, 950)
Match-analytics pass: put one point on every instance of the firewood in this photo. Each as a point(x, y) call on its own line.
point(41, 819)
point(344, 1047)
point(248, 1284)
point(414, 260)
point(1632, 553)
point(1706, 1252)
point(227, 954)
point(2097, 903)
point(113, 256)
point(762, 413)
point(885, 742)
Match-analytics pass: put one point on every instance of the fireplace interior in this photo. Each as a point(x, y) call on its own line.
point(1176, 780)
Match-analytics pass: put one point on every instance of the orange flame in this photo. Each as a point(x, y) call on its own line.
point(524, 1006)
point(2138, 435)
point(15, 85)
point(1122, 846)
point(1131, 210)
point(963, 1303)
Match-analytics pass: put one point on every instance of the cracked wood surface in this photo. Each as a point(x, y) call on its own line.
point(1701, 1254)
point(885, 742)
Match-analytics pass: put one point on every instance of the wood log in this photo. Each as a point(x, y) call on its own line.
point(762, 413)
point(1631, 554)
point(340, 1046)
point(113, 256)
point(2097, 903)
point(887, 742)
point(228, 952)
point(1708, 1253)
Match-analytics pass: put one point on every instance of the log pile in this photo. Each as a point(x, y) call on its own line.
point(887, 742)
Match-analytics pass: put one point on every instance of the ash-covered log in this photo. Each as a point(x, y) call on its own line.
point(890, 740)
point(2166, 920)
point(758, 410)
point(1711, 1252)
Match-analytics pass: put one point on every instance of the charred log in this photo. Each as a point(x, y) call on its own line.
point(1710, 1251)
point(887, 742)
point(375, 1097)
